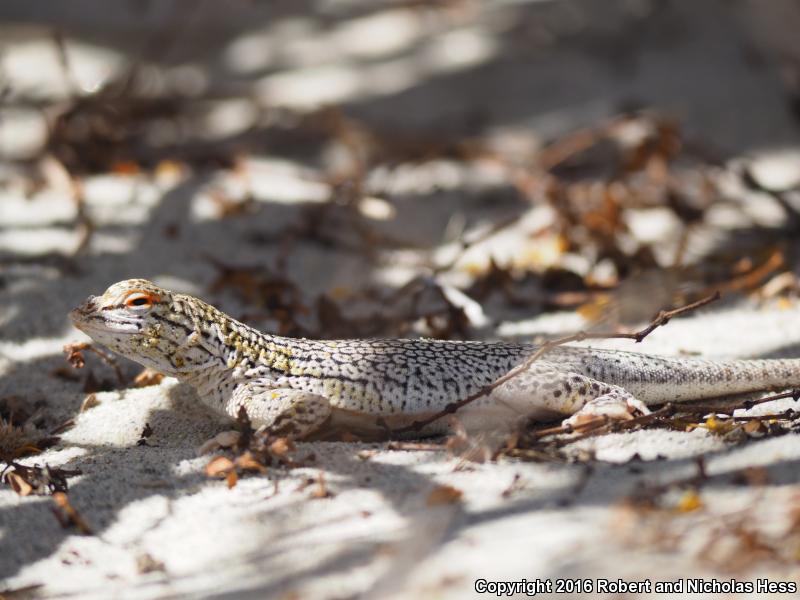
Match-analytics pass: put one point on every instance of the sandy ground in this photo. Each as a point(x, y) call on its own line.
point(162, 529)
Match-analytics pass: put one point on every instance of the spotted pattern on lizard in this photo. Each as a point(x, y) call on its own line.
point(301, 385)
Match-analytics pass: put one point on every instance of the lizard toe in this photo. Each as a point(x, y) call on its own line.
point(616, 405)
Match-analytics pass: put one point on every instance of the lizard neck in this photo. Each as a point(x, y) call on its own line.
point(217, 348)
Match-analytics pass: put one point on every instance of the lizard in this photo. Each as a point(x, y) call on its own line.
point(301, 387)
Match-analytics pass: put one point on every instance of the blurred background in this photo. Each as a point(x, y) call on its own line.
point(346, 168)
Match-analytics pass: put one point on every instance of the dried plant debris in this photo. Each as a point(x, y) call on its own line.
point(75, 357)
point(36, 480)
point(24, 429)
point(594, 180)
point(549, 443)
point(18, 441)
point(89, 402)
point(106, 131)
point(421, 304)
point(270, 295)
point(18, 411)
point(67, 515)
point(254, 452)
point(419, 307)
point(147, 431)
point(444, 494)
point(147, 377)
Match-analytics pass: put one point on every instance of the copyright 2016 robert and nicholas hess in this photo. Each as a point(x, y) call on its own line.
point(531, 587)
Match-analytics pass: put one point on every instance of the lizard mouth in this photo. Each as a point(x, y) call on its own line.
point(87, 318)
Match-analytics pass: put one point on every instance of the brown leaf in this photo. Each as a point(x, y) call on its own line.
point(248, 462)
point(281, 447)
point(219, 466)
point(719, 426)
point(74, 354)
point(67, 515)
point(753, 426)
point(690, 501)
point(147, 377)
point(18, 484)
point(40, 480)
point(89, 402)
point(444, 494)
point(170, 170)
point(125, 167)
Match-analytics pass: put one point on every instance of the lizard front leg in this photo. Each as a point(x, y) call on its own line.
point(281, 411)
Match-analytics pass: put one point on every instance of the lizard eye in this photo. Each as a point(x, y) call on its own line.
point(140, 300)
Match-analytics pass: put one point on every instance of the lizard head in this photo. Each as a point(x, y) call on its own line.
point(129, 319)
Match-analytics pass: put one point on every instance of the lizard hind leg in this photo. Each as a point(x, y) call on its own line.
point(281, 411)
point(545, 389)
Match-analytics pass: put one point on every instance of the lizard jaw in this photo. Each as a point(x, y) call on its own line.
point(88, 319)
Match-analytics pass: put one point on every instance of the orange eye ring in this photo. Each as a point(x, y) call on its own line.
point(140, 300)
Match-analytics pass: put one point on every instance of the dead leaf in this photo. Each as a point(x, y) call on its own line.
point(89, 402)
point(125, 167)
point(444, 494)
point(75, 356)
point(690, 501)
point(281, 446)
point(67, 515)
point(168, 171)
point(18, 484)
point(219, 466)
point(719, 426)
point(147, 377)
point(754, 426)
point(248, 462)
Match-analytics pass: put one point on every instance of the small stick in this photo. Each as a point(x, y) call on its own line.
point(730, 408)
point(76, 360)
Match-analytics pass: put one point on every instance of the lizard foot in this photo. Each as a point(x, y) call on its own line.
point(616, 405)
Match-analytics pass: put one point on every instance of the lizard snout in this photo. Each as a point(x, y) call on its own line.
point(87, 307)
